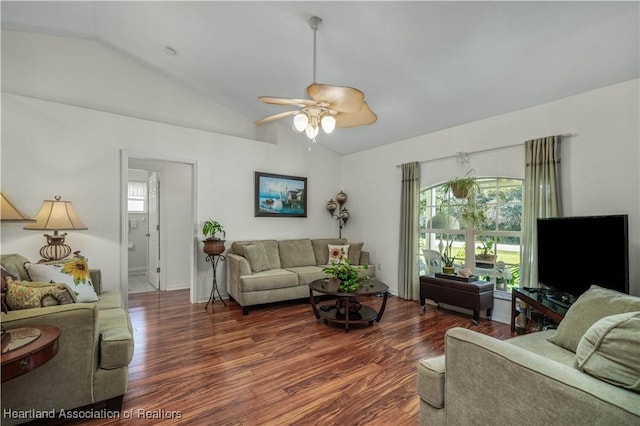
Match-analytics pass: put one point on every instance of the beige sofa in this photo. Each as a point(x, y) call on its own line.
point(95, 349)
point(537, 378)
point(284, 270)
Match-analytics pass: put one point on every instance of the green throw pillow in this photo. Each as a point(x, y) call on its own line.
point(594, 304)
point(31, 294)
point(610, 350)
point(257, 257)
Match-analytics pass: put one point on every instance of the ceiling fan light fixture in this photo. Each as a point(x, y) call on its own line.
point(312, 131)
point(300, 122)
point(328, 123)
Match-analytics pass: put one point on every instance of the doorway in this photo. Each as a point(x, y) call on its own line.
point(165, 259)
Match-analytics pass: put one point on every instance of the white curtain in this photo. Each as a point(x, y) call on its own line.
point(408, 274)
point(541, 199)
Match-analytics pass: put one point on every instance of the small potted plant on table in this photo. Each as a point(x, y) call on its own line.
point(212, 244)
point(448, 259)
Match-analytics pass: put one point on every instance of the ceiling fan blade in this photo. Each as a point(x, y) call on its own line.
point(342, 99)
point(286, 101)
point(275, 117)
point(362, 117)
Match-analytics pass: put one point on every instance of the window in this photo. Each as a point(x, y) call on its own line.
point(137, 197)
point(489, 246)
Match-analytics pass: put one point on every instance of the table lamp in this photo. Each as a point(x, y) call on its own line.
point(10, 213)
point(56, 215)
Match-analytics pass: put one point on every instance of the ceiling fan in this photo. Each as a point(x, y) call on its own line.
point(329, 106)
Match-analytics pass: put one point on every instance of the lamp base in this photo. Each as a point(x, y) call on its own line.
point(56, 249)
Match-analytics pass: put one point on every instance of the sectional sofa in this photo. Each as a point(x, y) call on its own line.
point(266, 271)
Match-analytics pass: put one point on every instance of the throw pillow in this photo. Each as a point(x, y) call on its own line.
point(257, 257)
point(354, 253)
point(338, 254)
point(31, 294)
point(5, 275)
point(74, 272)
point(593, 305)
point(610, 350)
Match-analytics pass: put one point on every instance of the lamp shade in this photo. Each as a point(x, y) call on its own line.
point(56, 215)
point(10, 213)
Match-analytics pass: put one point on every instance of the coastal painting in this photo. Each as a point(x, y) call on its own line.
point(280, 195)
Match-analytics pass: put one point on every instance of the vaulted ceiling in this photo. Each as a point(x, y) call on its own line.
point(423, 66)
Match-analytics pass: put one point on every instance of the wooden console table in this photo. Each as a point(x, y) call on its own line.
point(475, 295)
point(31, 356)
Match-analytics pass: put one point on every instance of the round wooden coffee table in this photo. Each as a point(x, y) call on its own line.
point(31, 356)
point(347, 309)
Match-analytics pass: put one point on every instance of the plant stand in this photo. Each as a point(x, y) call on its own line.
point(214, 259)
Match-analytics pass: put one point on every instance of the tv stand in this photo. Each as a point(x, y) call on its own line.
point(558, 301)
point(551, 311)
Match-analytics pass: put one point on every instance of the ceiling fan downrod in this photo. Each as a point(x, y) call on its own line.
point(314, 23)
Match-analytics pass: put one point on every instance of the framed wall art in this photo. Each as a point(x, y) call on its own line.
point(280, 195)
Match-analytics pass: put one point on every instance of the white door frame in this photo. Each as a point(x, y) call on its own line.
point(124, 258)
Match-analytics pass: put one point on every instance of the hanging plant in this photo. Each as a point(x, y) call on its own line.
point(462, 187)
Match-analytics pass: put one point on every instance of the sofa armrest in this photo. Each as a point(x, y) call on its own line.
point(237, 266)
point(482, 371)
point(70, 371)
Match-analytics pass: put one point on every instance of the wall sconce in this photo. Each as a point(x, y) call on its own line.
point(56, 215)
point(343, 214)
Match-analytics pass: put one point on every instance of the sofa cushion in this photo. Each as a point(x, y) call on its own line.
point(14, 264)
point(306, 274)
point(268, 280)
point(116, 339)
point(257, 257)
point(320, 248)
point(74, 272)
point(31, 294)
point(338, 253)
point(610, 350)
point(110, 300)
point(270, 247)
point(593, 305)
point(355, 249)
point(296, 253)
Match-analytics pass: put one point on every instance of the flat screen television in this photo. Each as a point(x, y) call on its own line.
point(576, 252)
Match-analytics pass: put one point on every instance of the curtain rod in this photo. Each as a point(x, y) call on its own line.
point(481, 151)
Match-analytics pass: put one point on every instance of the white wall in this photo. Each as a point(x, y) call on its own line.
point(50, 147)
point(70, 106)
point(602, 152)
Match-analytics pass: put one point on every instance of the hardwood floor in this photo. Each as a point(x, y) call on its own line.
point(278, 365)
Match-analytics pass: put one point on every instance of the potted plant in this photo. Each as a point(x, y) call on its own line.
point(448, 259)
point(462, 187)
point(351, 279)
point(486, 251)
point(212, 244)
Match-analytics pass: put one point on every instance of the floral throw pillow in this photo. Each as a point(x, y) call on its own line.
point(30, 294)
point(74, 273)
point(338, 254)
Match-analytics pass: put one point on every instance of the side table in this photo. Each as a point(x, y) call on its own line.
point(32, 355)
point(214, 259)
